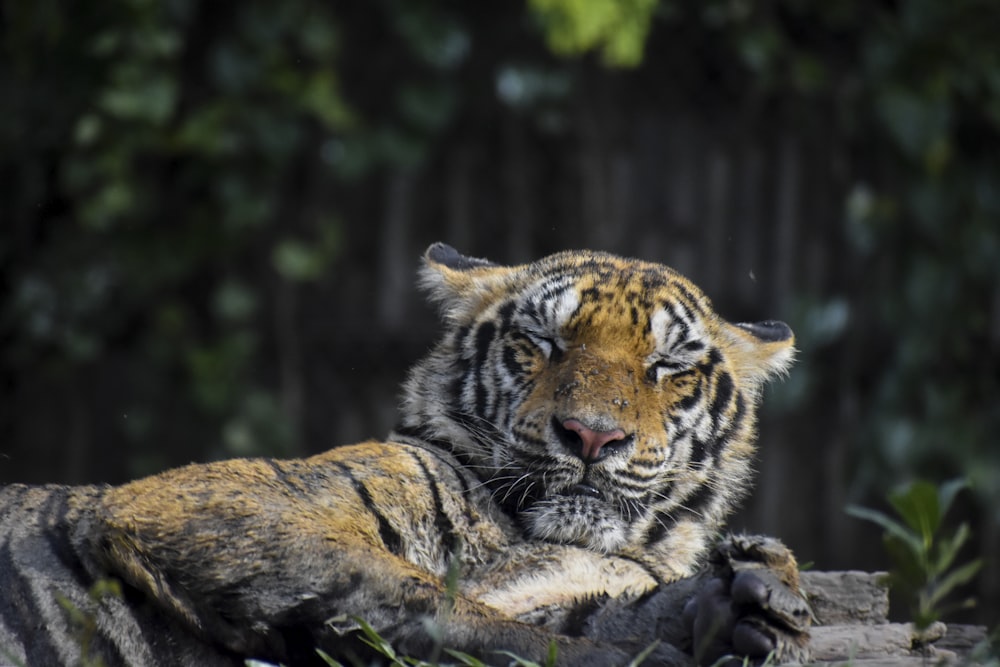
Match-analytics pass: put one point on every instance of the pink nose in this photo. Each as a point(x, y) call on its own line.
point(592, 441)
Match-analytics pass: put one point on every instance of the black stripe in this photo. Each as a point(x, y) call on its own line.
point(11, 498)
point(19, 610)
point(555, 288)
point(449, 537)
point(723, 396)
point(694, 346)
point(694, 503)
point(510, 362)
point(539, 460)
point(681, 319)
point(635, 314)
point(445, 447)
point(19, 597)
point(714, 357)
point(529, 439)
point(691, 506)
point(484, 339)
point(56, 533)
point(456, 386)
point(689, 402)
point(504, 313)
point(699, 450)
point(637, 478)
point(735, 423)
point(590, 294)
point(461, 333)
point(390, 537)
point(410, 432)
point(662, 523)
point(693, 303)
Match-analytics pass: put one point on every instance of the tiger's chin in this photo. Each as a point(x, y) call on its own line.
point(585, 522)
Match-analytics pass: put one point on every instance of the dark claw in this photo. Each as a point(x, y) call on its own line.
point(751, 641)
point(749, 590)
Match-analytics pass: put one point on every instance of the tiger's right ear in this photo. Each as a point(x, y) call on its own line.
point(460, 285)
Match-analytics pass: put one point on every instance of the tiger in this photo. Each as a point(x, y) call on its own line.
point(557, 484)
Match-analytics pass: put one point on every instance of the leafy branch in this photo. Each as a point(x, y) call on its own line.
point(924, 557)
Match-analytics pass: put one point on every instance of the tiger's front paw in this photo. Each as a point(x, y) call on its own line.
point(751, 604)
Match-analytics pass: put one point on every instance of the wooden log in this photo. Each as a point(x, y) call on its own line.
point(851, 626)
point(844, 642)
point(962, 639)
point(846, 598)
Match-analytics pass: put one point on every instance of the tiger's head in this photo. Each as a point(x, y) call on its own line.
point(601, 399)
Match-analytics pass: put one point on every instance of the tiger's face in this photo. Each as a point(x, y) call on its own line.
point(601, 399)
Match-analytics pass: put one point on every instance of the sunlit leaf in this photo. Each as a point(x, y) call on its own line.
point(618, 28)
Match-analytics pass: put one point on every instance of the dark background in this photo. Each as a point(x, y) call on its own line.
point(212, 213)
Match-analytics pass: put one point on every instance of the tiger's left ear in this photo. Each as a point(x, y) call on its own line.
point(460, 284)
point(760, 350)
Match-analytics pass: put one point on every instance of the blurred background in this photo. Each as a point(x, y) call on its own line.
point(212, 214)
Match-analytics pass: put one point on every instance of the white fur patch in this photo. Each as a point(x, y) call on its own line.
point(577, 520)
point(569, 574)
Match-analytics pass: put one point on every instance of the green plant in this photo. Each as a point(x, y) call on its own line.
point(372, 638)
point(923, 554)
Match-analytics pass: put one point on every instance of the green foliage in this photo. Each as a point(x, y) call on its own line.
point(924, 568)
point(383, 648)
point(149, 204)
point(618, 28)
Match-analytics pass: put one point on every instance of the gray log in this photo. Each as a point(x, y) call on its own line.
point(845, 598)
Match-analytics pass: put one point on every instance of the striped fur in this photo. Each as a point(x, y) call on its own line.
point(487, 482)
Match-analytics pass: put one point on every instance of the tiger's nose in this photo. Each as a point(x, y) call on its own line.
point(588, 444)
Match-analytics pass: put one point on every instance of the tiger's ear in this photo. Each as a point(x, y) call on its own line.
point(460, 284)
point(760, 350)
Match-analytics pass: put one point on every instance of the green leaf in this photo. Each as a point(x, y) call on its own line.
point(550, 659)
point(890, 525)
point(617, 27)
point(948, 491)
point(948, 549)
point(917, 503)
point(639, 659)
point(327, 659)
point(953, 580)
point(465, 658)
point(152, 99)
point(909, 568)
point(373, 639)
point(518, 660)
point(296, 261)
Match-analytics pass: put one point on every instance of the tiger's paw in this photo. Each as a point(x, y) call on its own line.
point(751, 604)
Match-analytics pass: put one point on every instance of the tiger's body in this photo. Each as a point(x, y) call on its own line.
point(565, 459)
